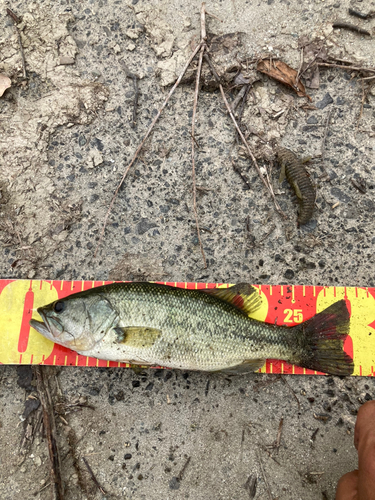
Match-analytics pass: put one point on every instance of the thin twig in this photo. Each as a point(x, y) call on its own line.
point(237, 169)
point(242, 107)
point(213, 16)
point(16, 21)
point(41, 489)
point(196, 94)
point(244, 98)
point(264, 447)
point(322, 152)
point(356, 68)
point(239, 96)
point(50, 430)
point(14, 16)
point(299, 69)
point(182, 471)
point(265, 179)
point(291, 390)
point(135, 79)
point(196, 50)
point(195, 140)
point(310, 64)
point(313, 436)
point(97, 484)
point(264, 477)
point(367, 78)
point(279, 432)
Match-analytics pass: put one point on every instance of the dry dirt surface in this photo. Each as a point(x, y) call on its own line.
point(66, 137)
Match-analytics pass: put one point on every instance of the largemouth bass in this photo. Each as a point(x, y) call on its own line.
point(208, 330)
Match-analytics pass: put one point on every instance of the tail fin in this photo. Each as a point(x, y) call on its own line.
point(324, 336)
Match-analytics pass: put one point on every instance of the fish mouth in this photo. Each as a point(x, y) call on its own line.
point(43, 327)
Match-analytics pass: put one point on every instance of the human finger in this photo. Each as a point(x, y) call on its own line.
point(365, 424)
point(347, 487)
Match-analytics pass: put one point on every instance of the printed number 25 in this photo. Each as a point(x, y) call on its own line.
point(293, 316)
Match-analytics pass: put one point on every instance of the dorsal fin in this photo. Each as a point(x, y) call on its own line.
point(243, 296)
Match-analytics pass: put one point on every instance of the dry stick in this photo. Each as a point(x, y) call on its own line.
point(97, 484)
point(322, 153)
point(264, 477)
point(182, 471)
point(311, 62)
point(237, 169)
point(50, 429)
point(197, 83)
point(16, 20)
point(264, 448)
point(241, 93)
point(266, 181)
point(268, 233)
point(367, 78)
point(279, 432)
point(299, 69)
point(196, 93)
point(196, 50)
point(242, 107)
point(356, 68)
point(246, 93)
point(291, 390)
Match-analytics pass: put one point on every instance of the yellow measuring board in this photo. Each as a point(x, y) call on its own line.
point(281, 305)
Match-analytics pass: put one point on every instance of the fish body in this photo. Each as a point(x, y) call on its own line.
point(210, 330)
point(292, 167)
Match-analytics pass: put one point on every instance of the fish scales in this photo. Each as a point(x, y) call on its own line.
point(299, 179)
point(210, 330)
point(198, 331)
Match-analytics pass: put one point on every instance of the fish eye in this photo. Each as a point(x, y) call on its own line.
point(59, 306)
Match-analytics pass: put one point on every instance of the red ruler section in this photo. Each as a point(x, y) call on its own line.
point(281, 305)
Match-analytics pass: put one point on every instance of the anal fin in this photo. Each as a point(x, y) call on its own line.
point(247, 366)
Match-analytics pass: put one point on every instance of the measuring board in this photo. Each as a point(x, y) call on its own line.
point(281, 305)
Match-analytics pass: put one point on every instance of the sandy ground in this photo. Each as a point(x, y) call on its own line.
point(65, 140)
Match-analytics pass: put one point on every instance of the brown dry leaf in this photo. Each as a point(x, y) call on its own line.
point(5, 83)
point(283, 73)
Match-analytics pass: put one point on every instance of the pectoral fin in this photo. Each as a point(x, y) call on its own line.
point(248, 366)
point(243, 296)
point(137, 336)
